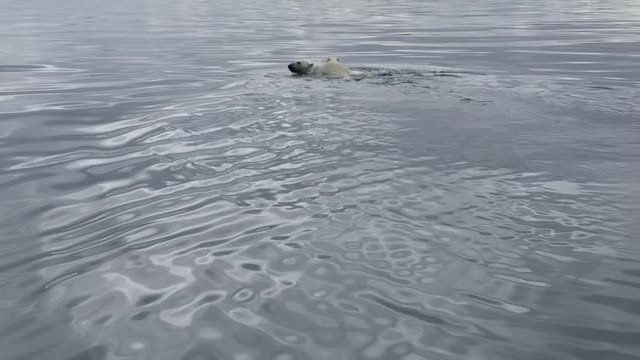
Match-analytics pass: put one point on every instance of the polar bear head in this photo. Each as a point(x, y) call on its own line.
point(333, 59)
point(301, 67)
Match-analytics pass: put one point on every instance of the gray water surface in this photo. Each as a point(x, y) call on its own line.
point(170, 191)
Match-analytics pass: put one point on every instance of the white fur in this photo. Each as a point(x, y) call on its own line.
point(331, 68)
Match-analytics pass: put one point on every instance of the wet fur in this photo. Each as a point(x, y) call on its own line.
point(331, 68)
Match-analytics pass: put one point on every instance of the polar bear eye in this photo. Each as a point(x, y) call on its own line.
point(298, 62)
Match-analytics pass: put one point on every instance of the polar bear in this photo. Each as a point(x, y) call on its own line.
point(331, 68)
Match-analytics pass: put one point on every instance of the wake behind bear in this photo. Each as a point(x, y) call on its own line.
point(332, 68)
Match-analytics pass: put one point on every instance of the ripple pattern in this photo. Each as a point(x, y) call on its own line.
point(169, 192)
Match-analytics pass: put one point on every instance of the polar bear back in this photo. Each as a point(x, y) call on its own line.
point(333, 68)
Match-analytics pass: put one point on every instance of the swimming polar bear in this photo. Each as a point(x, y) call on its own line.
point(331, 68)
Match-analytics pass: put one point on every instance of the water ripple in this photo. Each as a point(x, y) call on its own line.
point(170, 191)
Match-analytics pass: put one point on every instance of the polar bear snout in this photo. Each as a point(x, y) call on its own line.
point(297, 68)
point(301, 67)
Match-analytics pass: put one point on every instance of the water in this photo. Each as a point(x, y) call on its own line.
point(169, 191)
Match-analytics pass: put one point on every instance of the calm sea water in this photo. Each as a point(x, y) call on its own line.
point(169, 191)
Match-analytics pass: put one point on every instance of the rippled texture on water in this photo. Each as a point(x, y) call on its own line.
point(169, 191)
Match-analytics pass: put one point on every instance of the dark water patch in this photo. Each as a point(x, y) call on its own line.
point(141, 315)
point(407, 311)
point(626, 305)
point(252, 267)
point(470, 100)
point(148, 299)
point(20, 68)
point(97, 352)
